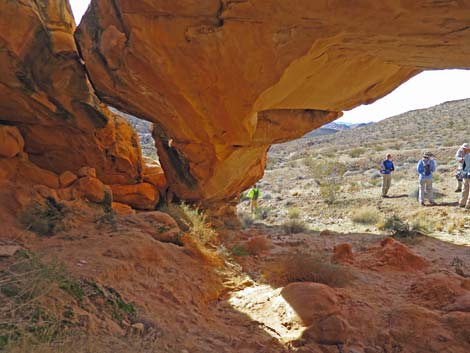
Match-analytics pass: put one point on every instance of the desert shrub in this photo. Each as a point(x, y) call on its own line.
point(327, 171)
point(365, 215)
point(257, 245)
point(330, 192)
point(262, 212)
point(293, 213)
point(356, 152)
point(401, 229)
point(379, 148)
point(42, 218)
point(307, 267)
point(239, 250)
point(193, 221)
point(25, 282)
point(294, 226)
point(375, 182)
point(245, 220)
point(354, 187)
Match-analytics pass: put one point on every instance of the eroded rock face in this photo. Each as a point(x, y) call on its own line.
point(222, 80)
point(46, 94)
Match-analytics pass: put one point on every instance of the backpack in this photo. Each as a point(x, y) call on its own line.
point(427, 167)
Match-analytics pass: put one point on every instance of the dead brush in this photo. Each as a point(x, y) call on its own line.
point(25, 282)
point(257, 245)
point(307, 267)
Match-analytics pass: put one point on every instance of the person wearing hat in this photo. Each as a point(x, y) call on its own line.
point(426, 166)
point(459, 156)
point(386, 169)
point(464, 198)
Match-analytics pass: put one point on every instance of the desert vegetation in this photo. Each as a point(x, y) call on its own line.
point(333, 181)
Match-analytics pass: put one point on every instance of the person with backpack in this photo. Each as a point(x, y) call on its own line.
point(426, 166)
point(464, 198)
point(254, 195)
point(386, 169)
point(459, 156)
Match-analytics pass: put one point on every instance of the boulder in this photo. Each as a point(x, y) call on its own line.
point(122, 209)
point(162, 227)
point(94, 190)
point(342, 253)
point(156, 176)
point(21, 170)
point(143, 196)
point(398, 256)
point(311, 301)
point(67, 178)
point(11, 141)
point(46, 94)
point(332, 330)
point(86, 172)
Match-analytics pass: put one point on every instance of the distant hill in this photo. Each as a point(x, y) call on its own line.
point(333, 127)
point(443, 125)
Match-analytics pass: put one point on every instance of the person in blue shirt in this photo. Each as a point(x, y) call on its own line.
point(464, 199)
point(386, 169)
point(426, 166)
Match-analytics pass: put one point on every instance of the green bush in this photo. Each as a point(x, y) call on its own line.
point(293, 213)
point(356, 152)
point(329, 192)
point(401, 229)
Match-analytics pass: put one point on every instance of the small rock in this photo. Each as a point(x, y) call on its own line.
point(325, 232)
point(136, 329)
point(87, 172)
point(11, 141)
point(8, 250)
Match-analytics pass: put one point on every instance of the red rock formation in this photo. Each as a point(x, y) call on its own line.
point(46, 94)
point(222, 79)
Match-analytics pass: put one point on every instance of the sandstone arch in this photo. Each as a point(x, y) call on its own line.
point(221, 79)
point(215, 75)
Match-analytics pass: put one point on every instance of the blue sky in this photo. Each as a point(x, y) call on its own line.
point(422, 91)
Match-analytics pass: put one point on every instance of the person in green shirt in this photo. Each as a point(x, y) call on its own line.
point(254, 195)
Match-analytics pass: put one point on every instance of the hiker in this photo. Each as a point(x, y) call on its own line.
point(464, 198)
point(459, 156)
point(254, 195)
point(386, 169)
point(426, 166)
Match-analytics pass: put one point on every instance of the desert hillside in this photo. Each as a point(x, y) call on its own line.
point(333, 181)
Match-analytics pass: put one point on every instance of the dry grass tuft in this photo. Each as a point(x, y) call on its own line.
point(294, 226)
point(307, 267)
point(366, 215)
point(257, 245)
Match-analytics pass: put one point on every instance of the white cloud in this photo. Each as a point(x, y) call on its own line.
point(78, 8)
point(422, 91)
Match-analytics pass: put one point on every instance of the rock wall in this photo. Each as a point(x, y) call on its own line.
point(45, 92)
point(222, 80)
